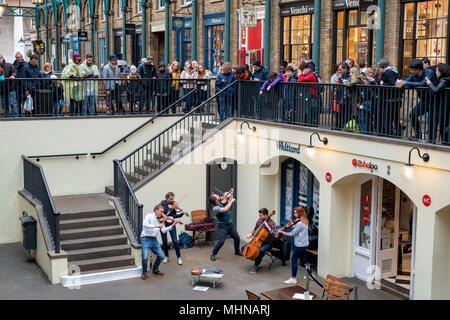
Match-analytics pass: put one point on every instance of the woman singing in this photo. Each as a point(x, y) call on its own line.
point(301, 242)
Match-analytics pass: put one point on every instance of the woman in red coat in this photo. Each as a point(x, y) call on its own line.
point(309, 96)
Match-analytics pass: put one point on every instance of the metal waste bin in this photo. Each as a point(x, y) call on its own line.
point(29, 229)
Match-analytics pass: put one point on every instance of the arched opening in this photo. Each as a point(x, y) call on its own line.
point(441, 255)
point(373, 223)
point(295, 185)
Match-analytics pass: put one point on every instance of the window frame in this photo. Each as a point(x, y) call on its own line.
point(290, 45)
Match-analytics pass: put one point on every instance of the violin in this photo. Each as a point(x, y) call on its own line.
point(289, 225)
point(175, 206)
point(251, 250)
point(226, 196)
point(168, 219)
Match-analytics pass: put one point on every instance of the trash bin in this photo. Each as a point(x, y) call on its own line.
point(29, 232)
point(44, 102)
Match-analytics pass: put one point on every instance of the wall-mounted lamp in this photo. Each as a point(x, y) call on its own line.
point(310, 152)
point(241, 132)
point(408, 169)
point(21, 42)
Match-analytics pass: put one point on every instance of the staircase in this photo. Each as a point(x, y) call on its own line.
point(92, 235)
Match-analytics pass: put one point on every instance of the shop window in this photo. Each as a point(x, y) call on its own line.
point(187, 44)
point(215, 47)
point(365, 211)
point(297, 37)
point(425, 32)
point(354, 38)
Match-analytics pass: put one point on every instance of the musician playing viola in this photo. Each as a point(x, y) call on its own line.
point(301, 242)
point(271, 226)
point(174, 211)
point(225, 225)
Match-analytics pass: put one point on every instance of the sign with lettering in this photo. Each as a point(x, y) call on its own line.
point(214, 19)
point(351, 4)
point(328, 177)
point(363, 164)
point(297, 9)
point(286, 147)
point(130, 28)
point(426, 200)
point(82, 36)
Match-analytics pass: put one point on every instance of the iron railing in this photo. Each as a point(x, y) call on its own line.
point(93, 96)
point(415, 114)
point(35, 183)
point(180, 137)
point(132, 208)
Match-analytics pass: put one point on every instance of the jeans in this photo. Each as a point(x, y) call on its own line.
point(10, 99)
point(262, 251)
point(56, 105)
point(189, 100)
point(299, 253)
point(148, 244)
point(364, 120)
point(91, 101)
point(419, 110)
point(75, 107)
point(225, 107)
point(224, 230)
point(173, 235)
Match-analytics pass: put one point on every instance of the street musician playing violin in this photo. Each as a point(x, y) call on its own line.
point(270, 225)
point(220, 207)
point(173, 211)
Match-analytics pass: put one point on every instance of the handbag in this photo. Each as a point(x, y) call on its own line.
point(28, 104)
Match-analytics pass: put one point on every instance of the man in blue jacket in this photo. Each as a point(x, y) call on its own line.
point(20, 65)
point(418, 79)
point(260, 73)
point(224, 79)
point(32, 72)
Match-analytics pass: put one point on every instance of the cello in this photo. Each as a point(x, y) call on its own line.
point(251, 250)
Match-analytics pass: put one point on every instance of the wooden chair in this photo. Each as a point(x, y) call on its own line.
point(335, 289)
point(252, 296)
point(197, 216)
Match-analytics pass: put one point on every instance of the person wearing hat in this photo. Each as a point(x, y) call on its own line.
point(162, 87)
point(259, 72)
point(57, 96)
point(89, 71)
point(73, 90)
point(311, 94)
point(134, 88)
point(113, 87)
point(8, 95)
point(147, 72)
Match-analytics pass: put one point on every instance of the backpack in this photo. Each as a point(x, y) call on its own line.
point(185, 240)
point(352, 126)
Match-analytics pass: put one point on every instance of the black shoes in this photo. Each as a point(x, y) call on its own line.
point(239, 254)
point(213, 257)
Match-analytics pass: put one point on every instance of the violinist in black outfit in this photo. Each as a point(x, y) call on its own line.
point(172, 210)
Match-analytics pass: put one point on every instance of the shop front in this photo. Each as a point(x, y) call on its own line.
point(102, 54)
point(355, 30)
point(183, 37)
point(385, 220)
point(251, 36)
point(214, 29)
point(297, 25)
point(117, 44)
point(424, 33)
point(136, 45)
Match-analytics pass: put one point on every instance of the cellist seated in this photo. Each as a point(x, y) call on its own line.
point(271, 227)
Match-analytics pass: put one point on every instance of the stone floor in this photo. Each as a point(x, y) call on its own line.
point(23, 279)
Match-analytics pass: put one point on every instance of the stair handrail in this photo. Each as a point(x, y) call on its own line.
point(217, 94)
point(123, 139)
point(42, 193)
point(136, 224)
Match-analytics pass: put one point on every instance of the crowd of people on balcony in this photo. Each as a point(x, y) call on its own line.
point(359, 98)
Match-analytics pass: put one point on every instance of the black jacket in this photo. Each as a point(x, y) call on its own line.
point(162, 86)
point(32, 72)
point(390, 76)
point(442, 90)
point(8, 71)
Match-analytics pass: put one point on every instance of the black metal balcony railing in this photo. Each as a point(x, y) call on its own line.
point(90, 97)
point(35, 183)
point(412, 114)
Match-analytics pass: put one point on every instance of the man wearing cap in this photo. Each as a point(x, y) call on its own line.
point(73, 90)
point(8, 95)
point(113, 88)
point(259, 73)
point(89, 71)
point(147, 72)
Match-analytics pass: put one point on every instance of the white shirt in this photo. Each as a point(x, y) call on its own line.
point(150, 226)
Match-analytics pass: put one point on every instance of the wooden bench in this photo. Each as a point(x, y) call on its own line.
point(198, 216)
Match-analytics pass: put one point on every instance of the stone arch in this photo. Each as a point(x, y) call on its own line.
point(441, 255)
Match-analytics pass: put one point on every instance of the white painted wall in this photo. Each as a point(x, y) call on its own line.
point(65, 176)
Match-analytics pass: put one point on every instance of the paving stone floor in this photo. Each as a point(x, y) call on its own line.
point(23, 279)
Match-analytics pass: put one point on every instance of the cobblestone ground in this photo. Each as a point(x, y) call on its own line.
point(23, 279)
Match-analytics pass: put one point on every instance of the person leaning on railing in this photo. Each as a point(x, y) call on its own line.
point(89, 71)
point(174, 70)
point(188, 85)
point(134, 89)
point(113, 87)
point(440, 112)
point(9, 95)
point(202, 77)
point(32, 72)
